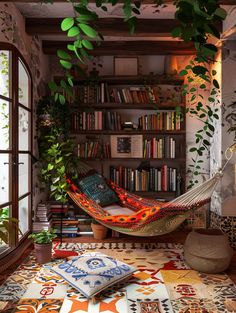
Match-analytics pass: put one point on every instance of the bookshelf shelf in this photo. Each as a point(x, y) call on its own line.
point(129, 132)
point(134, 159)
point(132, 106)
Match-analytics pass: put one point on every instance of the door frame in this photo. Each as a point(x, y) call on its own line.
point(16, 56)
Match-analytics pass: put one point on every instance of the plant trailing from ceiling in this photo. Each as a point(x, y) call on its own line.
point(197, 24)
point(55, 147)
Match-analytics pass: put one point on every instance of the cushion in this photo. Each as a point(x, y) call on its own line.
point(95, 187)
point(116, 209)
point(92, 272)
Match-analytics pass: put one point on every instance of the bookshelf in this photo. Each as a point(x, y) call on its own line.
point(99, 110)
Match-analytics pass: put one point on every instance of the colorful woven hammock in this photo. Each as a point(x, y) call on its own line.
point(150, 217)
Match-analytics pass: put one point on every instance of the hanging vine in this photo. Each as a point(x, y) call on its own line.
point(197, 24)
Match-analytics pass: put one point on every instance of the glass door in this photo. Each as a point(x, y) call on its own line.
point(24, 148)
point(15, 148)
point(6, 152)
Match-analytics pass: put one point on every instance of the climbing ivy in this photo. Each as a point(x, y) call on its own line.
point(198, 21)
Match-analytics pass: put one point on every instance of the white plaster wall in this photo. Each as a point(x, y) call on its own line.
point(12, 30)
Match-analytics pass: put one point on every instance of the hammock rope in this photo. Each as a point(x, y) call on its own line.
point(149, 217)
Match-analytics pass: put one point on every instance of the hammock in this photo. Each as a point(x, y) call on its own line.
point(149, 217)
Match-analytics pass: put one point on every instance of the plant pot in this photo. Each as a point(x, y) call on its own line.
point(99, 231)
point(43, 252)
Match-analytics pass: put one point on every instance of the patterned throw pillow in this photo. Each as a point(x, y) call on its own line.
point(95, 187)
point(92, 272)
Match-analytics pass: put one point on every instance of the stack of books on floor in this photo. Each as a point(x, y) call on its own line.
point(66, 227)
point(43, 218)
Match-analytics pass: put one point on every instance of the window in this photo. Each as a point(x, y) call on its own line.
point(15, 147)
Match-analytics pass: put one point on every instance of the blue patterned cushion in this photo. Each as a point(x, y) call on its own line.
point(92, 272)
point(95, 187)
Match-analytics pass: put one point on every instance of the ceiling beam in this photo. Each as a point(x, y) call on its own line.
point(223, 2)
point(126, 48)
point(106, 26)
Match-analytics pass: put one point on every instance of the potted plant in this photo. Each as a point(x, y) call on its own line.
point(43, 244)
point(99, 230)
point(7, 226)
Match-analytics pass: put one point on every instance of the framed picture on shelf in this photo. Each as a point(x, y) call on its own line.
point(126, 66)
point(126, 146)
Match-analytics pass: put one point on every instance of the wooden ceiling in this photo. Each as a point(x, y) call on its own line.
point(107, 26)
point(152, 30)
point(128, 48)
point(223, 2)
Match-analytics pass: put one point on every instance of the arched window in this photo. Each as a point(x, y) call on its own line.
point(15, 148)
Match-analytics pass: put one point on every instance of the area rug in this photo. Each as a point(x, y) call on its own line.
point(162, 283)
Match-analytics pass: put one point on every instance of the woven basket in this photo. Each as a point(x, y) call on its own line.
point(207, 251)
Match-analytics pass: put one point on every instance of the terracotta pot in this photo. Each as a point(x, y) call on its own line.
point(43, 252)
point(99, 231)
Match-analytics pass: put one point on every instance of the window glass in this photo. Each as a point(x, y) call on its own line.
point(23, 129)
point(5, 171)
point(23, 215)
point(5, 125)
point(23, 92)
point(5, 73)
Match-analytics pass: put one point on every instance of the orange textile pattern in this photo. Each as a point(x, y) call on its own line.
point(148, 213)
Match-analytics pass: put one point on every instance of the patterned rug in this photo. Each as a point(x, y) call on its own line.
point(162, 283)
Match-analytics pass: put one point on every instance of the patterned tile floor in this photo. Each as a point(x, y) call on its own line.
point(162, 283)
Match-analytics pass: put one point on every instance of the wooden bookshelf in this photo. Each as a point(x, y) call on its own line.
point(123, 88)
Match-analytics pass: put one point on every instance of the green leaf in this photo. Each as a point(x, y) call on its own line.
point(210, 99)
point(62, 99)
point(198, 69)
point(176, 32)
point(183, 73)
point(52, 85)
point(216, 84)
point(211, 127)
point(66, 64)
point(88, 30)
point(74, 31)
point(70, 47)
point(63, 55)
point(221, 13)
point(206, 142)
point(192, 149)
point(67, 23)
point(87, 44)
point(203, 86)
point(50, 167)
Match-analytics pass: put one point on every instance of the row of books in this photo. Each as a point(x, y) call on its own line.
point(101, 93)
point(107, 120)
point(155, 148)
point(97, 120)
point(94, 149)
point(158, 148)
point(162, 120)
point(152, 179)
